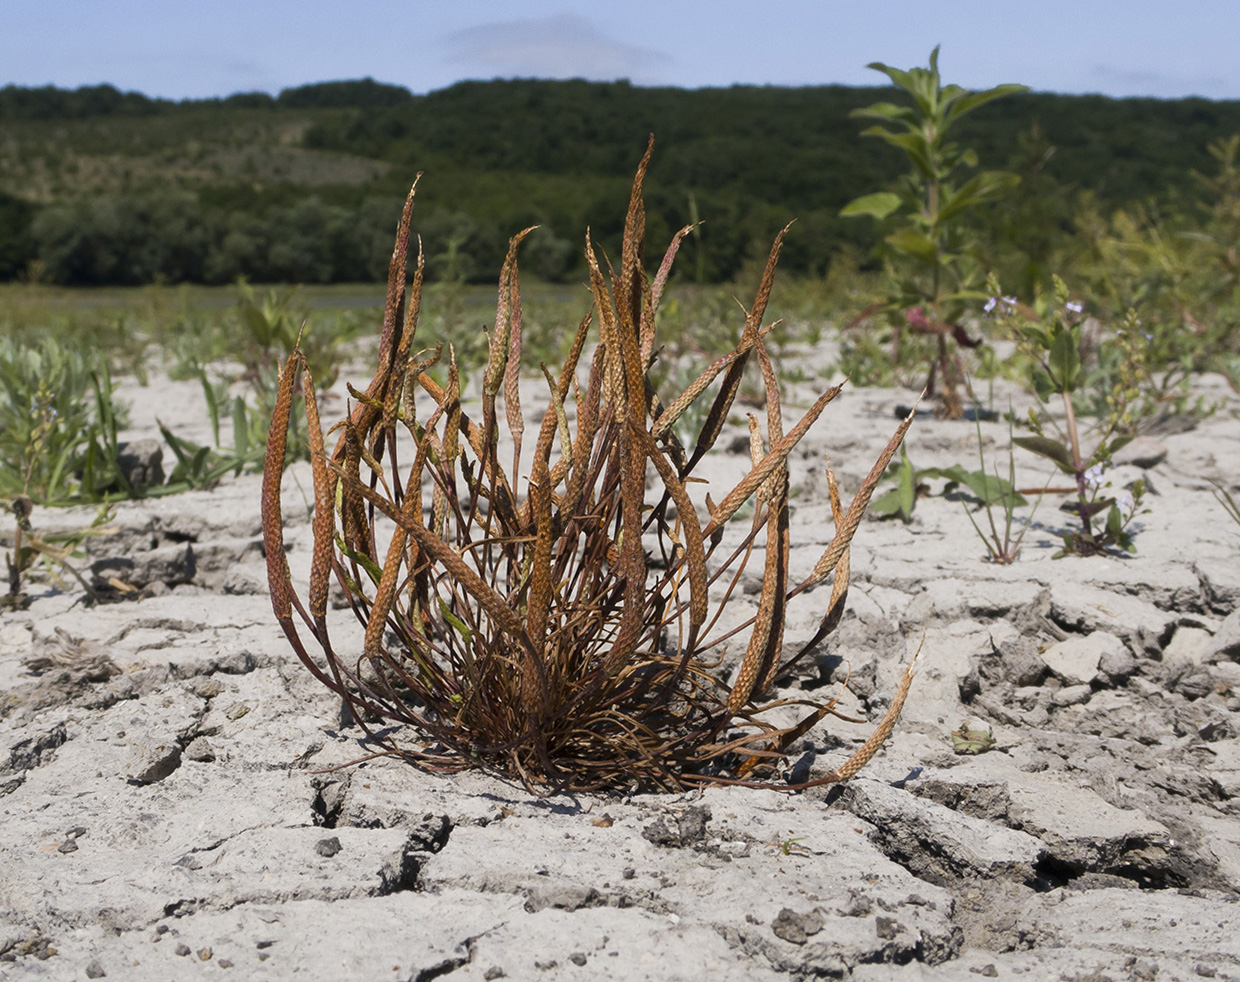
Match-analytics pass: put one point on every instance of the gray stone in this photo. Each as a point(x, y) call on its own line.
point(141, 461)
point(1144, 452)
point(1077, 660)
point(1083, 831)
point(152, 758)
point(1187, 650)
point(794, 927)
point(169, 565)
point(1083, 608)
point(1220, 582)
point(1225, 645)
point(1022, 662)
point(1117, 664)
point(1072, 695)
point(938, 842)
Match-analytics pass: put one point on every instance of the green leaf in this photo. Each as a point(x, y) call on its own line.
point(978, 190)
point(974, 99)
point(884, 110)
point(1064, 360)
point(1044, 446)
point(455, 622)
point(369, 566)
point(989, 489)
point(1115, 523)
point(898, 76)
point(1090, 508)
point(907, 490)
point(1118, 444)
point(913, 243)
point(878, 205)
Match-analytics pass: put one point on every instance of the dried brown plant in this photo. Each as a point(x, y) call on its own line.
point(560, 637)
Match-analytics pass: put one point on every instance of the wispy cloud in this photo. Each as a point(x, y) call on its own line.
point(1145, 82)
point(559, 46)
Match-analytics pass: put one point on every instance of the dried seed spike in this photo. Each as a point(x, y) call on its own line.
point(396, 282)
point(665, 269)
point(541, 592)
point(722, 405)
point(394, 394)
point(774, 417)
point(756, 312)
point(862, 757)
point(778, 453)
point(762, 654)
point(279, 579)
point(561, 421)
point(675, 410)
point(695, 551)
point(756, 452)
point(844, 531)
point(512, 387)
point(493, 376)
point(324, 501)
point(632, 252)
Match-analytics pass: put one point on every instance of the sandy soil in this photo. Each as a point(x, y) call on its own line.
point(169, 807)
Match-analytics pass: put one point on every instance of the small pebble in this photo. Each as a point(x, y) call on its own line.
point(183, 949)
point(205, 954)
point(68, 846)
point(225, 963)
point(206, 688)
point(328, 847)
point(200, 749)
point(95, 971)
point(577, 958)
point(494, 972)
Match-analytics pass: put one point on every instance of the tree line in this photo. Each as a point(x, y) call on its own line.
point(500, 156)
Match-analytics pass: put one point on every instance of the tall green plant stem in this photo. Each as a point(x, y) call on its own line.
point(1077, 463)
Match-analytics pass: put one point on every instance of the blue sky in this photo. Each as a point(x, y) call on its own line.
point(197, 48)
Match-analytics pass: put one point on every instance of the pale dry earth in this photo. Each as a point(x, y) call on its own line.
point(169, 807)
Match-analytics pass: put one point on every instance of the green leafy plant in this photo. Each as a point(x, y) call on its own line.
point(556, 627)
point(59, 419)
point(1051, 338)
point(912, 483)
point(935, 263)
point(1001, 547)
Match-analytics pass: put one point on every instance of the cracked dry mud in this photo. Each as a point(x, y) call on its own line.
point(171, 804)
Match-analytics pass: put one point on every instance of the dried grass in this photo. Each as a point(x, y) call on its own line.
point(561, 638)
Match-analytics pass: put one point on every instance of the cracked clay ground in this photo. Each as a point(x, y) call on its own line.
point(168, 807)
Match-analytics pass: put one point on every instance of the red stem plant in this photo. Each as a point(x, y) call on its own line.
point(560, 638)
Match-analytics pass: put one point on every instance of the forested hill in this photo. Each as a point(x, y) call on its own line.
point(100, 186)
